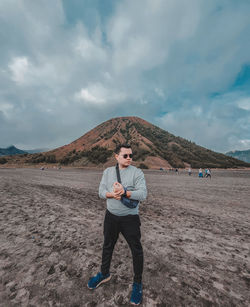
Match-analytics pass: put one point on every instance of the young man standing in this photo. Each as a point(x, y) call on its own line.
point(121, 219)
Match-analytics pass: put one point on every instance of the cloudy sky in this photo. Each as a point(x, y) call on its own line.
point(68, 65)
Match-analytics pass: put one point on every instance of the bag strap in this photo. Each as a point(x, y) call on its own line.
point(118, 173)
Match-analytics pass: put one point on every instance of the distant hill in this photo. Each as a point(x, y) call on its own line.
point(243, 155)
point(11, 150)
point(31, 151)
point(152, 146)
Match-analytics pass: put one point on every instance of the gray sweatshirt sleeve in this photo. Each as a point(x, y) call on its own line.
point(140, 190)
point(103, 187)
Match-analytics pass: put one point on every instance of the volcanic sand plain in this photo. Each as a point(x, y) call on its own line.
point(195, 234)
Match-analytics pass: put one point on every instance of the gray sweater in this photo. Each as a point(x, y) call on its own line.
point(133, 179)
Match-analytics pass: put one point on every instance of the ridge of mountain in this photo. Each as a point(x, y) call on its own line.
point(37, 150)
point(243, 155)
point(11, 150)
point(152, 147)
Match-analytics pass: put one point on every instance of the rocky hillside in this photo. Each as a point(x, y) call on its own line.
point(152, 146)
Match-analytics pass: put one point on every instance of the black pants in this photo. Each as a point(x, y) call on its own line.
point(129, 226)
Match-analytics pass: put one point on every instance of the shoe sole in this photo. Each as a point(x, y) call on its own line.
point(135, 304)
point(132, 303)
point(102, 282)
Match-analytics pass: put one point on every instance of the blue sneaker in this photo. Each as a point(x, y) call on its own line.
point(136, 296)
point(97, 280)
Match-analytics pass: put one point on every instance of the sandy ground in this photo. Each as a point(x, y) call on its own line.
point(195, 233)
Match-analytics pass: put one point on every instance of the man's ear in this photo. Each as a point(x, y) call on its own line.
point(116, 156)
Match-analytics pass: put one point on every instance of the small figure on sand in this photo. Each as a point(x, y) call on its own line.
point(200, 173)
point(122, 216)
point(189, 171)
point(208, 173)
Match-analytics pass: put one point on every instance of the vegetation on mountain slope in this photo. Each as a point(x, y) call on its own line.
point(149, 142)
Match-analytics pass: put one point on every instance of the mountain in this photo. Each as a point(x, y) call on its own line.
point(11, 150)
point(243, 155)
point(31, 151)
point(152, 147)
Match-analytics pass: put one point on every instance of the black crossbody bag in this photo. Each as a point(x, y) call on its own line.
point(128, 202)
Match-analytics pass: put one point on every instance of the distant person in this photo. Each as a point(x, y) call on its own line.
point(122, 219)
point(189, 171)
point(208, 174)
point(176, 171)
point(200, 173)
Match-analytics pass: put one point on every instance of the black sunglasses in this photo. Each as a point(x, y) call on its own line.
point(126, 155)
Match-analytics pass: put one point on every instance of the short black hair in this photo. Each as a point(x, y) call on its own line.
point(120, 146)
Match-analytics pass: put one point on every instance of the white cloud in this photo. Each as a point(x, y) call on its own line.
point(45, 72)
point(145, 57)
point(244, 103)
point(159, 92)
point(87, 96)
point(220, 123)
point(6, 108)
point(97, 94)
point(19, 68)
point(245, 143)
point(141, 38)
point(143, 101)
point(107, 76)
point(89, 51)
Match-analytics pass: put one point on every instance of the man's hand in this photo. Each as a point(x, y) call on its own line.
point(117, 192)
point(113, 195)
point(118, 188)
point(116, 195)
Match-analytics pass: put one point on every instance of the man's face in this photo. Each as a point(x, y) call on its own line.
point(124, 157)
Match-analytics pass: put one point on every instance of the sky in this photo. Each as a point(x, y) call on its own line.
point(68, 65)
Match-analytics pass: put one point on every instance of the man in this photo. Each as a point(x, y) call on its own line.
point(121, 219)
point(200, 173)
point(208, 173)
